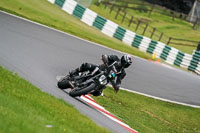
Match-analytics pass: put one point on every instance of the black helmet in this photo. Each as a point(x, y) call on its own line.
point(126, 60)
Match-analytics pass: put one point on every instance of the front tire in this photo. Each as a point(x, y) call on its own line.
point(83, 91)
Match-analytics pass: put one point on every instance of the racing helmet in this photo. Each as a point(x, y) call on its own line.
point(126, 60)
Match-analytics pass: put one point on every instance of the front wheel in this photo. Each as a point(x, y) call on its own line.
point(79, 92)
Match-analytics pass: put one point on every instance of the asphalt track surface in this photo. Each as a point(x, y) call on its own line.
point(39, 54)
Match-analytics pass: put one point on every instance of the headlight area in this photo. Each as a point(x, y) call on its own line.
point(103, 80)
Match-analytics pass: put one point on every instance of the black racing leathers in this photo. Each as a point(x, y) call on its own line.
point(120, 70)
point(109, 59)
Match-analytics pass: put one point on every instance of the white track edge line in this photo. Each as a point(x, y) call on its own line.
point(162, 99)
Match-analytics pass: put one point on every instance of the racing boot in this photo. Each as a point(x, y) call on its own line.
point(73, 73)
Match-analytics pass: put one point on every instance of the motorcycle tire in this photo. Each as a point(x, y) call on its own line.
point(63, 83)
point(83, 91)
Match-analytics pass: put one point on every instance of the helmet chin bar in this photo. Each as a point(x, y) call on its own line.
point(126, 61)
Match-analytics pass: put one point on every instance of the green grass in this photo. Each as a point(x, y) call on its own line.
point(25, 109)
point(148, 115)
point(177, 29)
point(46, 13)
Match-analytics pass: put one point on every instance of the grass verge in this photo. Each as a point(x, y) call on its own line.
point(148, 115)
point(48, 14)
point(177, 28)
point(25, 109)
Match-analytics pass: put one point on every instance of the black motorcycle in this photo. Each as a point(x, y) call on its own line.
point(90, 82)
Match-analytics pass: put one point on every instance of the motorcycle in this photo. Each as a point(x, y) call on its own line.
point(90, 82)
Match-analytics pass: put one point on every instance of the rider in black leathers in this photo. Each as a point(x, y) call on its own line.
point(120, 65)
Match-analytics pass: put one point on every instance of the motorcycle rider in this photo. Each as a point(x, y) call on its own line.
point(120, 65)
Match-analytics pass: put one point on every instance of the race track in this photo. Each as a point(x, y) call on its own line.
point(39, 54)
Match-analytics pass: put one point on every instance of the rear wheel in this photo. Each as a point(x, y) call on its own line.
point(63, 83)
point(79, 92)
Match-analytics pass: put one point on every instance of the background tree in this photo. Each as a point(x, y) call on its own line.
point(183, 6)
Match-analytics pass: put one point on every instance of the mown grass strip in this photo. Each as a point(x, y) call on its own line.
point(24, 109)
point(148, 115)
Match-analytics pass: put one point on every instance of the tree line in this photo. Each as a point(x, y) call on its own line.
point(183, 6)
